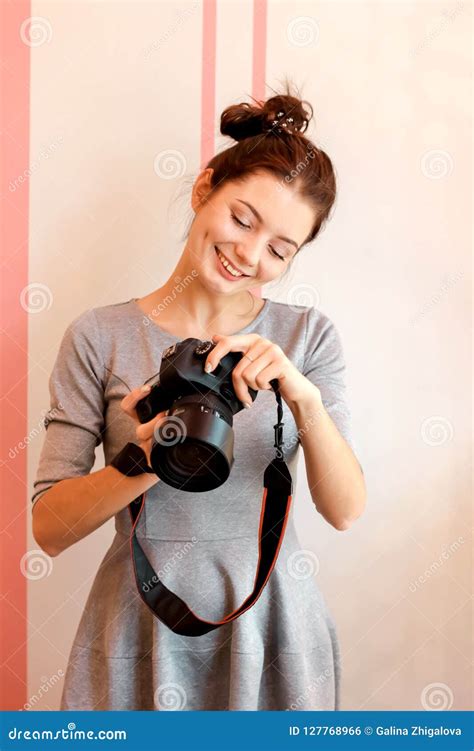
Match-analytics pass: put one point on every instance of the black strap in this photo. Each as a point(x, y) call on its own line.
point(276, 502)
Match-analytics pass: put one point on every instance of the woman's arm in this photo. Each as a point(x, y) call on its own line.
point(335, 477)
point(75, 507)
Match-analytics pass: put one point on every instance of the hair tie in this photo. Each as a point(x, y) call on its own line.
point(278, 124)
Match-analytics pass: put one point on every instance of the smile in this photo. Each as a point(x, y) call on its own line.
point(227, 265)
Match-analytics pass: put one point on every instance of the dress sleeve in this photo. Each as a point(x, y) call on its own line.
point(324, 365)
point(74, 422)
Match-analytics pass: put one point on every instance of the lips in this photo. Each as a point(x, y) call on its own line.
point(228, 259)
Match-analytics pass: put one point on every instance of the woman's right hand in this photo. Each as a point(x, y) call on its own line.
point(143, 430)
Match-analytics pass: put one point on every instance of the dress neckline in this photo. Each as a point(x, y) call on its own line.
point(153, 324)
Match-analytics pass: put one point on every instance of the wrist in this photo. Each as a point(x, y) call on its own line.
point(309, 398)
point(132, 460)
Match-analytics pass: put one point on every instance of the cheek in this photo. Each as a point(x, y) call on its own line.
point(269, 271)
point(225, 231)
point(274, 276)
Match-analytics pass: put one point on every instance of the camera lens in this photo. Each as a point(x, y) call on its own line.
point(190, 458)
point(203, 456)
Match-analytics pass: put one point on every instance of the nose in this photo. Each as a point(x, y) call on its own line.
point(247, 256)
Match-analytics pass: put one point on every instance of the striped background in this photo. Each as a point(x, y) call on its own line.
point(15, 74)
point(15, 86)
point(113, 84)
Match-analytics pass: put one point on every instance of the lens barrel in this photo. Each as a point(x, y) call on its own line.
point(194, 444)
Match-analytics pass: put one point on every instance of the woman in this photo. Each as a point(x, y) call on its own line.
point(256, 205)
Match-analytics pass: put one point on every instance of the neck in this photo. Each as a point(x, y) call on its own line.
point(183, 298)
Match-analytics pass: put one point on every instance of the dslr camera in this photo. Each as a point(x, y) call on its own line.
point(193, 448)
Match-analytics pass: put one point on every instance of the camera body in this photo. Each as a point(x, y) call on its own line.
point(194, 444)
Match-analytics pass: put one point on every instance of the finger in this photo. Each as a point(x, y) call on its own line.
point(245, 372)
point(251, 357)
point(146, 429)
point(229, 344)
point(130, 401)
point(274, 370)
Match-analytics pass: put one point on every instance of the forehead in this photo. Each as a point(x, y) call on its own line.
point(282, 209)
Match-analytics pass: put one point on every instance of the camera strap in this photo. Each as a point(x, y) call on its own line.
point(276, 502)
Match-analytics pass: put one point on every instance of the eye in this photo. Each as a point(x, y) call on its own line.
point(246, 226)
point(277, 254)
point(241, 224)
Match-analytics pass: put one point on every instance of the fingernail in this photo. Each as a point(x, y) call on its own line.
point(208, 367)
point(247, 405)
point(146, 387)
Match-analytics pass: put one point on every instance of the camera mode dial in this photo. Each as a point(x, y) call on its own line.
point(203, 348)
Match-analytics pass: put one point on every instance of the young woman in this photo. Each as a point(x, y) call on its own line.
point(256, 204)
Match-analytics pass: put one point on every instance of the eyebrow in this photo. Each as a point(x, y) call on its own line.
point(257, 215)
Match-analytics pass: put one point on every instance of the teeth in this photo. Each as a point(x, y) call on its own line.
point(225, 263)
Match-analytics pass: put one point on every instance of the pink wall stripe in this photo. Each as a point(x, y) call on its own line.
point(208, 81)
point(14, 150)
point(15, 80)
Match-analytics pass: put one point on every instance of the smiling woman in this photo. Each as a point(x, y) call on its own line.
point(255, 205)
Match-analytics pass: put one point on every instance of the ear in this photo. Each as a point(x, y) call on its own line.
point(201, 188)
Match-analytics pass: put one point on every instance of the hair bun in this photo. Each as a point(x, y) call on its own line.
point(278, 114)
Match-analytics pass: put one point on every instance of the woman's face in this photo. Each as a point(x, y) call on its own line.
point(258, 225)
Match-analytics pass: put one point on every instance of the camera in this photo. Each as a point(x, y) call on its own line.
point(194, 443)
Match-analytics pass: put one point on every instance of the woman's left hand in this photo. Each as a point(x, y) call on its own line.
point(268, 362)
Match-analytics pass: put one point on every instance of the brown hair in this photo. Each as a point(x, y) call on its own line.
point(268, 141)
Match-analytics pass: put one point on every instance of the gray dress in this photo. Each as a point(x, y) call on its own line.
point(282, 653)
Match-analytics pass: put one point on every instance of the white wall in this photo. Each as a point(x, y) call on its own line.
point(390, 89)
